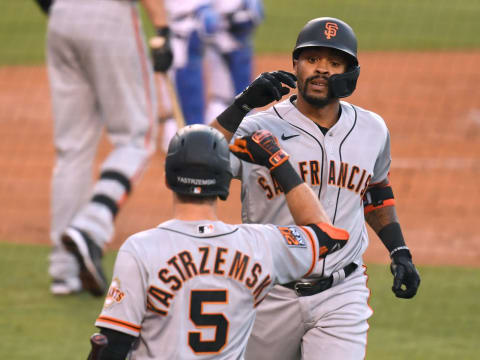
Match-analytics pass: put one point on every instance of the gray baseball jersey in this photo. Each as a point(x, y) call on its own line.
point(189, 289)
point(338, 166)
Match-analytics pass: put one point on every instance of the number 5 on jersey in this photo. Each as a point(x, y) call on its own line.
point(202, 319)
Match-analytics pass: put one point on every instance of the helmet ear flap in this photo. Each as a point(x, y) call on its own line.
point(343, 85)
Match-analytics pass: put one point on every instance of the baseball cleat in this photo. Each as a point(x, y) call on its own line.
point(64, 287)
point(89, 257)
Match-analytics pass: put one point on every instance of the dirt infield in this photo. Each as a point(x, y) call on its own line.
point(430, 101)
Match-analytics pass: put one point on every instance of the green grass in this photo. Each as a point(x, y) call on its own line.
point(22, 33)
point(379, 24)
point(33, 323)
point(441, 322)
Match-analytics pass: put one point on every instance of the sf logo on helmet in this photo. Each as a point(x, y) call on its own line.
point(330, 30)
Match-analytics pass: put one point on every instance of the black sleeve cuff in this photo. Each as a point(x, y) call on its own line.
point(286, 176)
point(392, 237)
point(45, 5)
point(119, 344)
point(231, 118)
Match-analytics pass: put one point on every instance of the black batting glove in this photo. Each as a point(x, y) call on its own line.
point(262, 91)
point(267, 87)
point(161, 52)
point(406, 277)
point(260, 148)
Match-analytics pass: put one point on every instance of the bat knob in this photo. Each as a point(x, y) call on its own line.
point(99, 342)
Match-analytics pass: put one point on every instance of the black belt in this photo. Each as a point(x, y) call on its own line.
point(307, 288)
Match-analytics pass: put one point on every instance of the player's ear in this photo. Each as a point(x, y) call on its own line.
point(295, 62)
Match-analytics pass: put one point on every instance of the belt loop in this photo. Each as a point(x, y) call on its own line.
point(338, 276)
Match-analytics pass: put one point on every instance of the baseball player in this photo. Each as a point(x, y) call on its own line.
point(100, 78)
point(188, 288)
point(215, 36)
point(229, 57)
point(343, 152)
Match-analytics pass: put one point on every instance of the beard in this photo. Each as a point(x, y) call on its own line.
point(316, 101)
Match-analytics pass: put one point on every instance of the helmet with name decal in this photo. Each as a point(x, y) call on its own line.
point(335, 34)
point(198, 162)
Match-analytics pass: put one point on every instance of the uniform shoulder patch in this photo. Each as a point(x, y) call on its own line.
point(115, 294)
point(293, 236)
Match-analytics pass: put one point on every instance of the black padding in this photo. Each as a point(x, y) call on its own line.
point(343, 85)
point(377, 195)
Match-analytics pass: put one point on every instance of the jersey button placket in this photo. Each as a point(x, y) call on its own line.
point(330, 154)
point(329, 147)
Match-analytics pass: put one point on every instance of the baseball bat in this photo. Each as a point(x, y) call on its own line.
point(172, 94)
point(98, 342)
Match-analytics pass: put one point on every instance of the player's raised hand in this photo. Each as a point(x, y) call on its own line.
point(267, 87)
point(261, 148)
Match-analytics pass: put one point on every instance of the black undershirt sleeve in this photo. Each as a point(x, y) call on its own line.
point(45, 5)
point(119, 344)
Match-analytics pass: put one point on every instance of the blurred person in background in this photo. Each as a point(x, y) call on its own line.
point(211, 42)
point(101, 78)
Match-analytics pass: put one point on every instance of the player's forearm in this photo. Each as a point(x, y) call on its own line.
point(305, 207)
point(156, 12)
point(385, 223)
point(228, 135)
point(379, 218)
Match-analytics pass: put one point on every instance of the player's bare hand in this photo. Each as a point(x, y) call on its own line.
point(406, 277)
point(261, 148)
point(267, 87)
point(161, 52)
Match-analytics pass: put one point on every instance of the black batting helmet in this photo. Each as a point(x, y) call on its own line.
point(335, 34)
point(198, 162)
